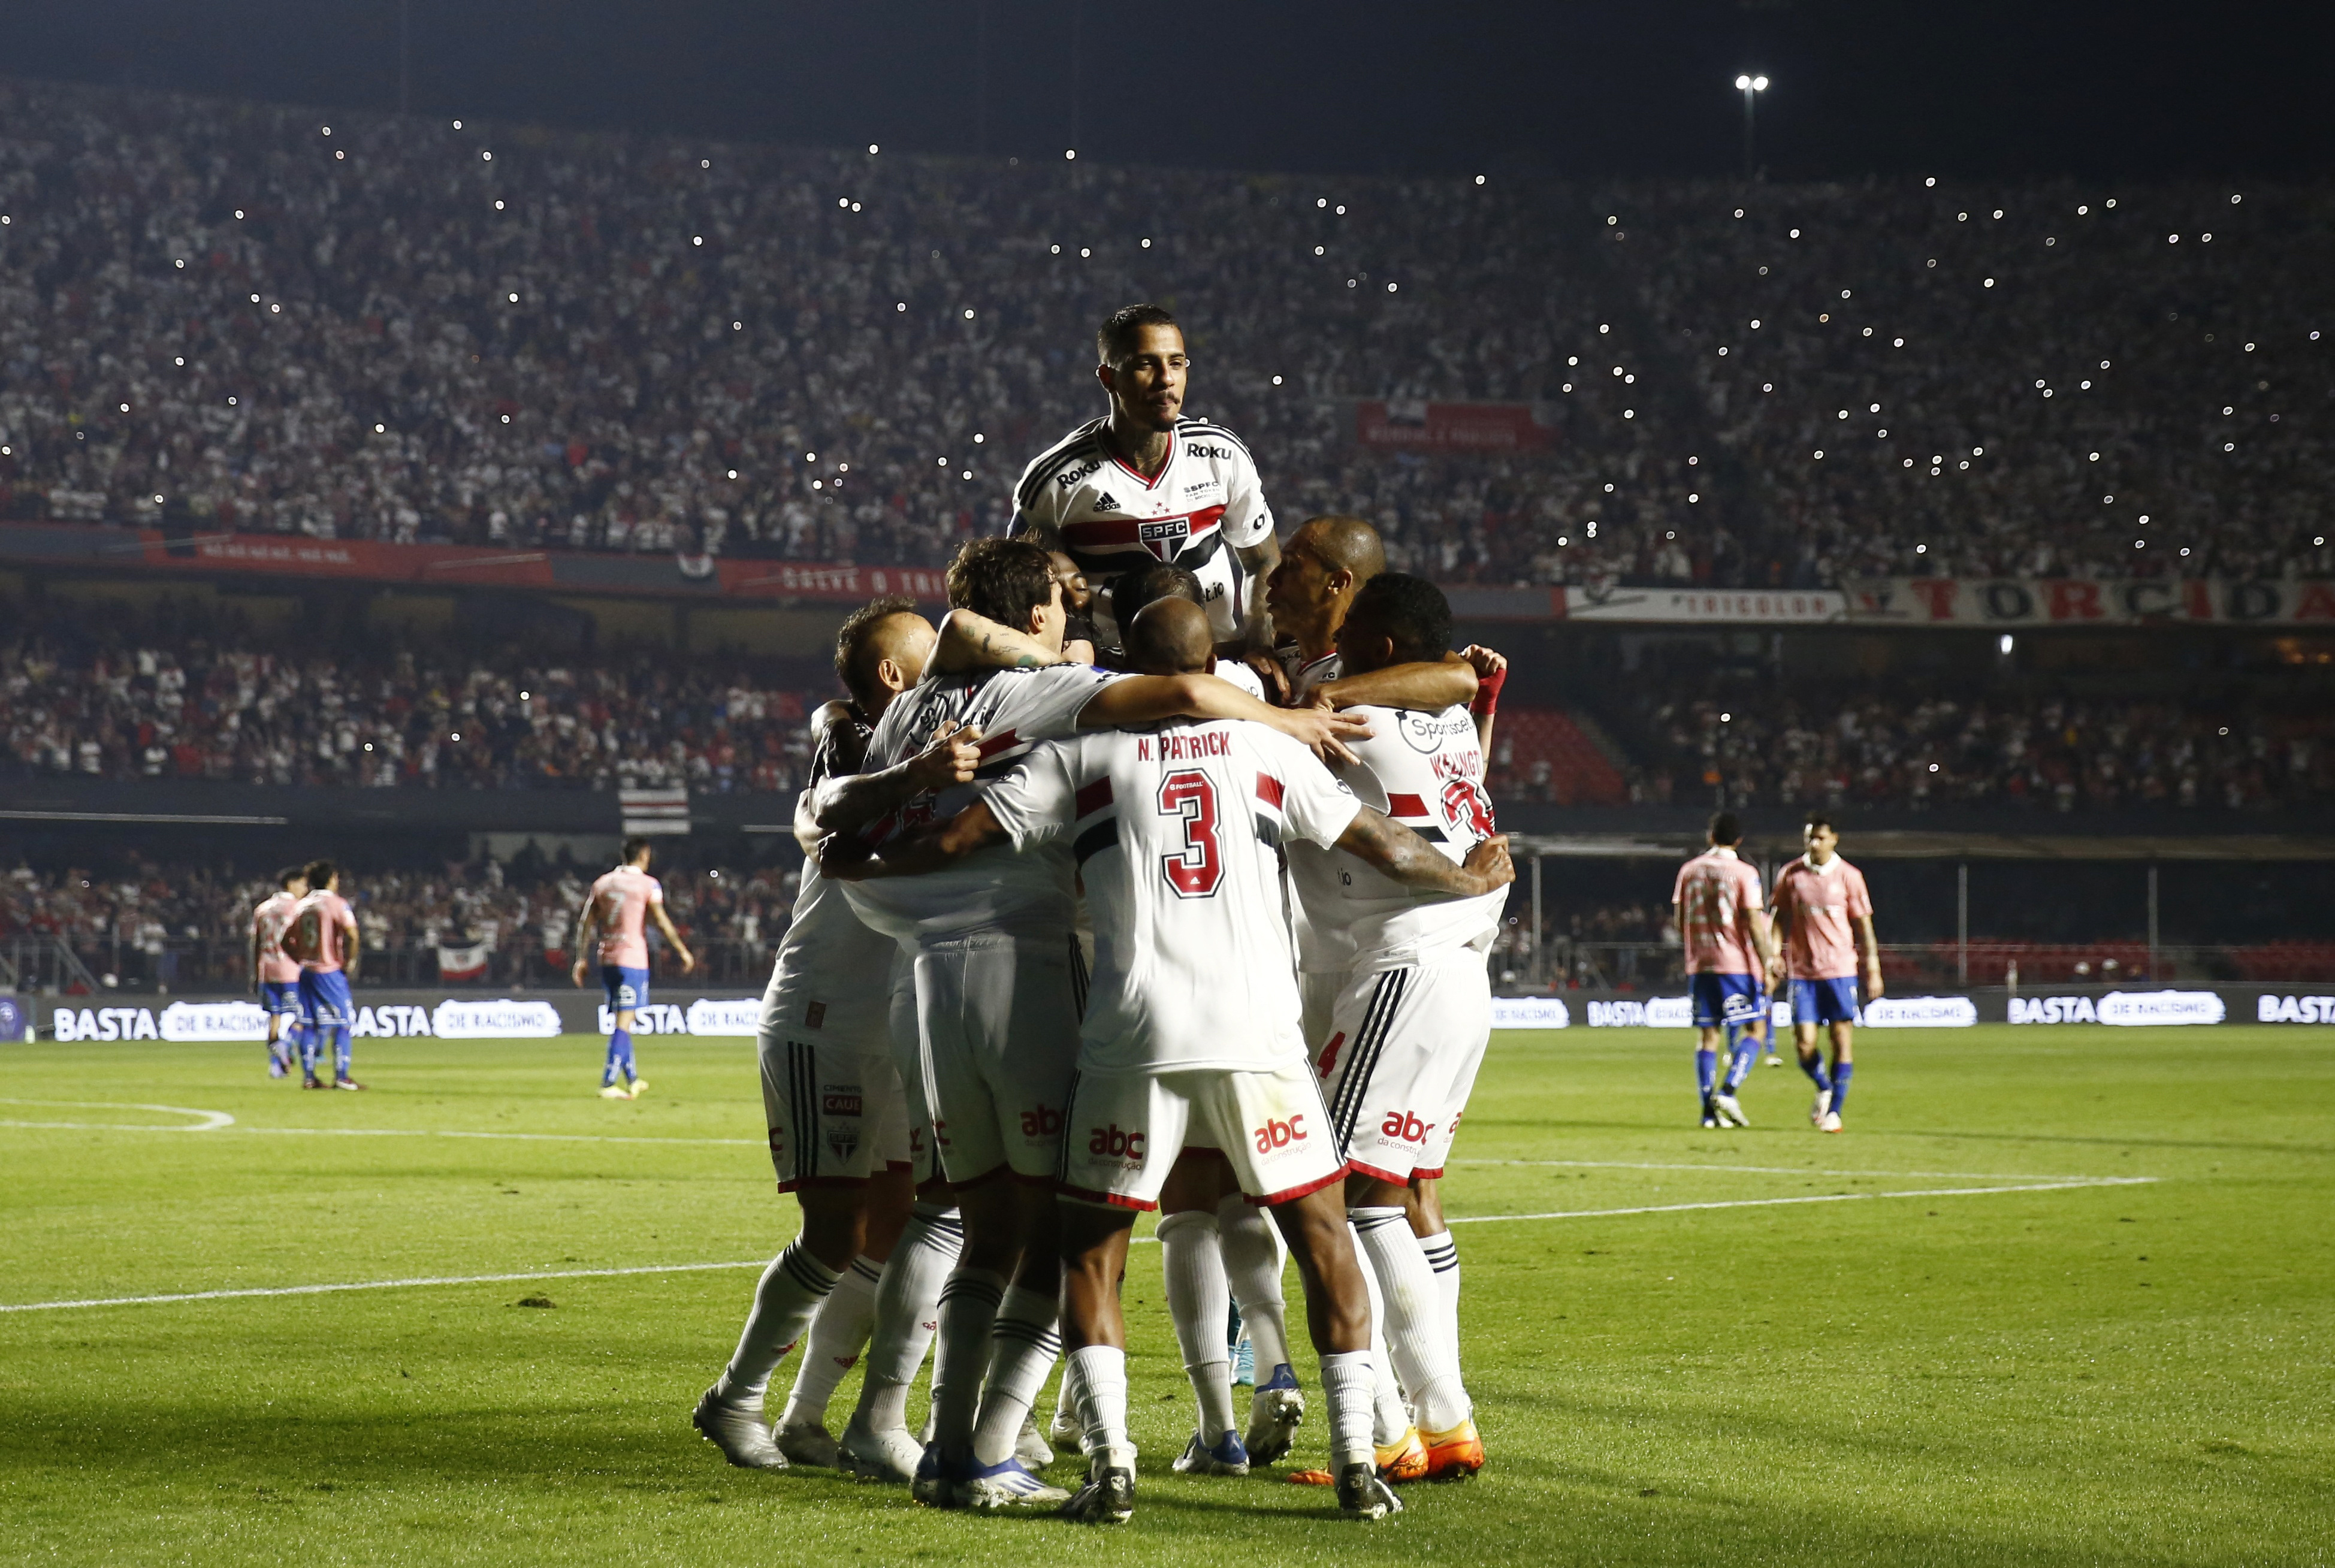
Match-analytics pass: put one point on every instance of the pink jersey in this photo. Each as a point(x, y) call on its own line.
point(1718, 894)
point(1822, 903)
point(268, 924)
point(317, 935)
point(621, 900)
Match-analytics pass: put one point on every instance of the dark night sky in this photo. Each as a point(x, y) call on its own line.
point(1861, 86)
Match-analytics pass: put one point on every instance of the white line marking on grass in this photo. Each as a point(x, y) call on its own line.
point(376, 1285)
point(2063, 1184)
point(1959, 1176)
point(512, 1137)
point(212, 1120)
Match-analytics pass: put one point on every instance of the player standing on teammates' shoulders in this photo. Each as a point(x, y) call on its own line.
point(1723, 925)
point(322, 935)
point(275, 975)
point(1826, 916)
point(1144, 484)
point(999, 982)
point(619, 905)
point(1193, 1033)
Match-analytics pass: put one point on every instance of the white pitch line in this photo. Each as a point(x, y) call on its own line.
point(2060, 1185)
point(510, 1137)
point(376, 1285)
point(213, 1120)
point(1957, 1176)
point(2063, 1184)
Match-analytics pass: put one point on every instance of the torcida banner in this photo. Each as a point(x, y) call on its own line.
point(2008, 602)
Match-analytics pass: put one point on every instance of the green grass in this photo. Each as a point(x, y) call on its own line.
point(2112, 1374)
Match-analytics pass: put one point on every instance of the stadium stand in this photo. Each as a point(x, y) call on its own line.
point(267, 320)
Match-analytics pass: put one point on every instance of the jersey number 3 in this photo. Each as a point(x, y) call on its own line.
point(1194, 873)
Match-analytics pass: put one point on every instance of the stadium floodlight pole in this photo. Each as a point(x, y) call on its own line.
point(1750, 87)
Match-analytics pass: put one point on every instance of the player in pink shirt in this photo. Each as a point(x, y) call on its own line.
point(619, 906)
point(1728, 951)
point(274, 973)
point(1826, 916)
point(322, 935)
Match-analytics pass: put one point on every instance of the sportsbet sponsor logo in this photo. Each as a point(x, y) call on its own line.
point(2127, 1008)
point(737, 1015)
point(1531, 1012)
point(1921, 1013)
point(500, 1019)
point(2294, 1010)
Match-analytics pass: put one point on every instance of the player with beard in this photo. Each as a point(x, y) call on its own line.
point(999, 980)
point(1192, 1036)
point(1143, 483)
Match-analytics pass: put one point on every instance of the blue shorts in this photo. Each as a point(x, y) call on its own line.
point(1723, 999)
point(324, 998)
point(626, 987)
point(1824, 1001)
point(280, 996)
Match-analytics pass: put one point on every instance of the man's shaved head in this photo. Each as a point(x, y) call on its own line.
point(1172, 637)
point(1349, 544)
point(885, 629)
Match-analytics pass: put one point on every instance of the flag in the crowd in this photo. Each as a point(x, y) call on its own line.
point(660, 811)
point(463, 963)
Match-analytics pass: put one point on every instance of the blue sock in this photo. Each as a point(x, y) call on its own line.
point(631, 1072)
point(1840, 1076)
point(1814, 1067)
point(1705, 1069)
point(308, 1034)
point(620, 1057)
point(1743, 1056)
point(344, 1054)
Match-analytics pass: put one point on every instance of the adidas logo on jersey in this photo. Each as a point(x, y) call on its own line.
point(1404, 1127)
point(1105, 504)
point(1111, 1141)
point(1276, 1133)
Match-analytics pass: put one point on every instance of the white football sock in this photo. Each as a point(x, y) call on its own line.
point(1068, 1398)
point(837, 1334)
point(1253, 1254)
point(1348, 1380)
point(1024, 1350)
point(1443, 1257)
point(785, 1296)
point(1200, 1305)
point(969, 1304)
point(1102, 1374)
point(907, 1310)
point(1391, 1418)
point(1427, 1362)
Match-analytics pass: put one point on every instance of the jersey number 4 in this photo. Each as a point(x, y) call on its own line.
point(1194, 873)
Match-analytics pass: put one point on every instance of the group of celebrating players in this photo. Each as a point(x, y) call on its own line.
point(303, 954)
point(1090, 926)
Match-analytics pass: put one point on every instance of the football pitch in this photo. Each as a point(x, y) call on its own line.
point(2059, 1295)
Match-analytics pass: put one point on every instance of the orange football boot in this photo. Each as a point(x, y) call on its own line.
point(1452, 1456)
point(1406, 1460)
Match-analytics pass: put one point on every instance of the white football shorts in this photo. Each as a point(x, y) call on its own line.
point(997, 1018)
point(832, 1097)
point(1400, 1059)
point(1127, 1128)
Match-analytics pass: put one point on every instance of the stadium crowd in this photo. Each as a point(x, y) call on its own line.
point(264, 319)
point(189, 924)
point(1804, 747)
point(178, 699)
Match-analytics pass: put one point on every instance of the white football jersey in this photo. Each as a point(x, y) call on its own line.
point(1025, 895)
point(1174, 830)
point(1426, 770)
point(1204, 504)
point(1325, 945)
point(826, 937)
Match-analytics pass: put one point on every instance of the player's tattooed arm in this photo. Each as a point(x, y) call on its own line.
point(846, 805)
point(1425, 688)
point(1380, 840)
point(930, 847)
point(1146, 698)
point(1257, 561)
point(970, 642)
point(586, 919)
